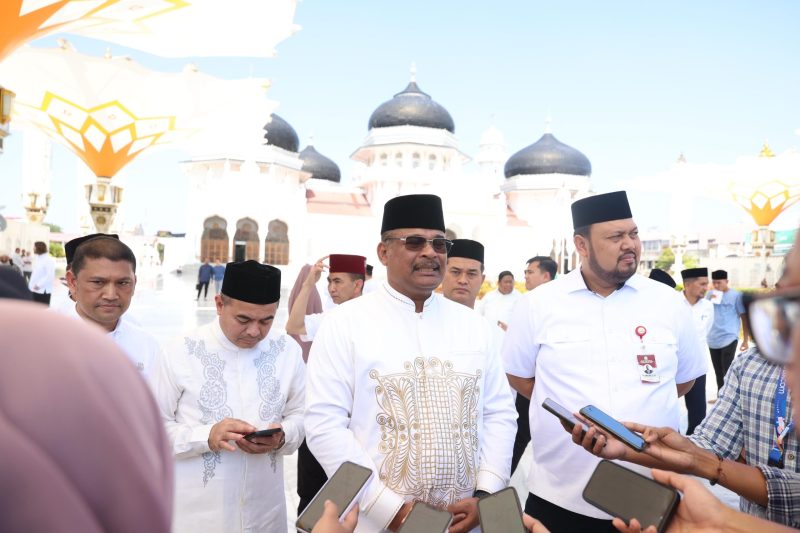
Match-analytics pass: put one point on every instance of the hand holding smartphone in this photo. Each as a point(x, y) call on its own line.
point(263, 433)
point(626, 494)
point(343, 489)
point(614, 427)
point(501, 512)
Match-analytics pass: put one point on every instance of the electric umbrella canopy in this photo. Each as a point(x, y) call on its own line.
point(110, 110)
point(170, 28)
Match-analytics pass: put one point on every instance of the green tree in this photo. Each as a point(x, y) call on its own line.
point(666, 259)
point(54, 228)
point(57, 249)
point(690, 261)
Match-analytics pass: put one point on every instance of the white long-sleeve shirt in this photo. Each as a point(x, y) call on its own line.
point(420, 398)
point(204, 378)
point(42, 275)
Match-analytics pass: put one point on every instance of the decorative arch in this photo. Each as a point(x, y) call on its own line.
point(245, 241)
point(214, 241)
point(276, 245)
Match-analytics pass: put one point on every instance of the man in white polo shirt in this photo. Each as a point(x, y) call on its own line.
point(600, 335)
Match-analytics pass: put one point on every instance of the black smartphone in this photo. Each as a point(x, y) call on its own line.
point(426, 519)
point(614, 427)
point(343, 489)
point(501, 513)
point(627, 494)
point(263, 433)
point(561, 412)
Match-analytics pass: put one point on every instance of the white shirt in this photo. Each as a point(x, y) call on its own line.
point(17, 260)
point(311, 323)
point(582, 349)
point(370, 286)
point(43, 274)
point(420, 398)
point(141, 348)
point(703, 317)
point(204, 378)
point(496, 306)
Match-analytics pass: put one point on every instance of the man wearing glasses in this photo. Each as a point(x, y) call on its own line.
point(750, 420)
point(408, 383)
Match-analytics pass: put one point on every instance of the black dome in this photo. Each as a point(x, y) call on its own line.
point(281, 134)
point(548, 155)
point(412, 107)
point(319, 166)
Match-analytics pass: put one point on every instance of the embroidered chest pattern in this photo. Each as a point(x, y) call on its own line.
point(269, 387)
point(213, 400)
point(429, 430)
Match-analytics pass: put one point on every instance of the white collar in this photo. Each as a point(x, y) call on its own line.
point(396, 296)
point(219, 335)
point(575, 282)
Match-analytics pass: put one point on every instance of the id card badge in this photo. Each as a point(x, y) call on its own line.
point(648, 370)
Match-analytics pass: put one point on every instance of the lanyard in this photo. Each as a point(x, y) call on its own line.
point(781, 427)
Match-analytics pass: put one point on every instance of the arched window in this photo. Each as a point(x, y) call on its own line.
point(276, 245)
point(415, 159)
point(214, 241)
point(384, 159)
point(398, 159)
point(245, 240)
point(432, 161)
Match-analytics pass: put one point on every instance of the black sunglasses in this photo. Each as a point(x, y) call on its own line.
point(415, 243)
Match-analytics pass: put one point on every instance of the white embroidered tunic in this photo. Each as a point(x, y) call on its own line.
point(204, 378)
point(420, 398)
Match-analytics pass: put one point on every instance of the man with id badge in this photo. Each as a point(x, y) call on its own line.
point(600, 335)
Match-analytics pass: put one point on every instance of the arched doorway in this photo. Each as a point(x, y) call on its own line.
point(276, 245)
point(214, 242)
point(245, 241)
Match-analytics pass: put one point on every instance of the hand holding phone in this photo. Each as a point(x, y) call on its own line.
point(501, 512)
point(568, 420)
point(626, 494)
point(263, 433)
point(343, 489)
point(614, 427)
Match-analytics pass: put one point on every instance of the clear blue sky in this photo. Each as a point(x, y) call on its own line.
point(631, 84)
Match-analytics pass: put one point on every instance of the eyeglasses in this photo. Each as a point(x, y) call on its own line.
point(415, 243)
point(772, 317)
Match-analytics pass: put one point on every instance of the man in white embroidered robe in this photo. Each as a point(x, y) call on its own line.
point(232, 377)
point(408, 383)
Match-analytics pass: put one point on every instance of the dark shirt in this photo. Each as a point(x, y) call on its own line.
point(205, 273)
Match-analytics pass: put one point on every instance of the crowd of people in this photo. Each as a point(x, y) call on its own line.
point(437, 394)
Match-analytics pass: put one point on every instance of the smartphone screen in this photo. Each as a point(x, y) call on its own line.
point(342, 488)
point(560, 411)
point(627, 494)
point(614, 427)
point(501, 513)
point(426, 519)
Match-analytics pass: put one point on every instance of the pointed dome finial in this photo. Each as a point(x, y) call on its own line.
point(766, 151)
point(548, 123)
point(311, 140)
point(413, 71)
point(681, 158)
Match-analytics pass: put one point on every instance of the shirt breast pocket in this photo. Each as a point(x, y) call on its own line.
point(569, 346)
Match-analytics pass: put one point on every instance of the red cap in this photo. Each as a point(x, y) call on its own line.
point(351, 264)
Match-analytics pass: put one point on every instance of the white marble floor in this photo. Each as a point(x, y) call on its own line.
point(165, 304)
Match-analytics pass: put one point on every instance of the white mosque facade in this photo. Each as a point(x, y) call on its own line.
point(284, 206)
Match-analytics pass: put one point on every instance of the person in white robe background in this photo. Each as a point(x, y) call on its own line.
point(220, 383)
point(410, 385)
point(102, 280)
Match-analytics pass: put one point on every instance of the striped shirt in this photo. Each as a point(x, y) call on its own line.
point(743, 420)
